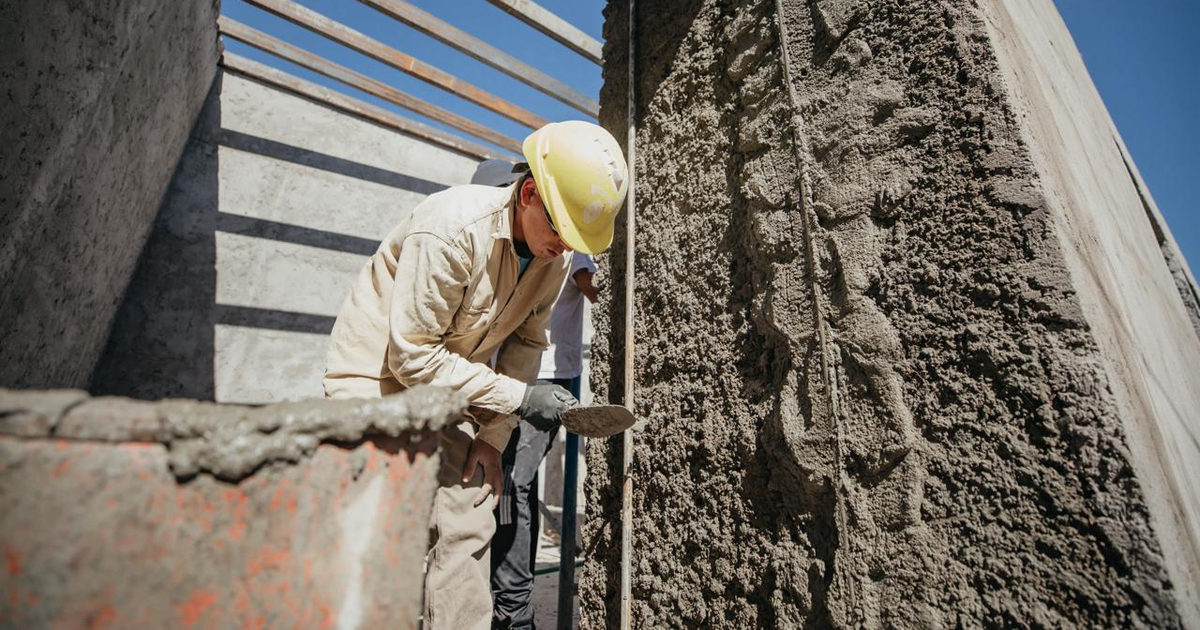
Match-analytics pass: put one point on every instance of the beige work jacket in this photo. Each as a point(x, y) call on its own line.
point(438, 299)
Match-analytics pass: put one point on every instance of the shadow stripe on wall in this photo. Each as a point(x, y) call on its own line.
point(321, 161)
point(296, 234)
point(272, 319)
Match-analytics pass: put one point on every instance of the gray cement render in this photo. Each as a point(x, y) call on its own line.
point(928, 365)
point(275, 207)
point(97, 104)
point(1135, 287)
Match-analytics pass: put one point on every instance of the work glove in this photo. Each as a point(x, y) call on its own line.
point(544, 404)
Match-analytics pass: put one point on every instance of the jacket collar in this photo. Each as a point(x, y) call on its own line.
point(503, 225)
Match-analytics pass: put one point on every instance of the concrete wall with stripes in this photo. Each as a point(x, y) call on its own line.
point(97, 102)
point(273, 209)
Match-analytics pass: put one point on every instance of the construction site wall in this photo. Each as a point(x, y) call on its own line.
point(276, 205)
point(97, 104)
point(929, 360)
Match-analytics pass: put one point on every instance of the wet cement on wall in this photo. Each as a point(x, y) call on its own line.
point(97, 104)
point(877, 400)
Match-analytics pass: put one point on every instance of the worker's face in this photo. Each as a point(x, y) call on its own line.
point(536, 226)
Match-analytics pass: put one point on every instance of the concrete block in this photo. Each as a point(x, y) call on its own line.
point(100, 529)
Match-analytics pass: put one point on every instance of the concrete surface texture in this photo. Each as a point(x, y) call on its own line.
point(275, 205)
point(926, 365)
point(98, 530)
point(97, 104)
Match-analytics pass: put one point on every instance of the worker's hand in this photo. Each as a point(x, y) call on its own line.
point(544, 404)
point(485, 455)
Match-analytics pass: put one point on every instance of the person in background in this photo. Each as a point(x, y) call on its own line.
point(514, 546)
point(495, 173)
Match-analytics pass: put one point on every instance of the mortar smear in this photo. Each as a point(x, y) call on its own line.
point(231, 441)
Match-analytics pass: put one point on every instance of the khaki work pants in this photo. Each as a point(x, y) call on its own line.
point(457, 575)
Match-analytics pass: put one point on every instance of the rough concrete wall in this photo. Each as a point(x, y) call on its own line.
point(1134, 285)
point(273, 210)
point(108, 523)
point(97, 104)
point(880, 398)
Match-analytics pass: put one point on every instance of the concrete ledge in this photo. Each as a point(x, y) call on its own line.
point(178, 513)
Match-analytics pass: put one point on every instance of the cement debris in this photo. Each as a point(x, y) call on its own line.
point(229, 441)
point(876, 400)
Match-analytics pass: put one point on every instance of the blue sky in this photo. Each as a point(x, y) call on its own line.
point(1143, 58)
point(1143, 61)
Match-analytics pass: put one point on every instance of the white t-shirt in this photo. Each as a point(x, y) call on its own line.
point(564, 357)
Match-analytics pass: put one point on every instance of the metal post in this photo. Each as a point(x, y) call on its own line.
point(627, 443)
point(566, 560)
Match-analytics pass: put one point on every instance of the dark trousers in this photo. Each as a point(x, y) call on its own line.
point(514, 547)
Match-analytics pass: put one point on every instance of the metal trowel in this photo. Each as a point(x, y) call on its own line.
point(597, 421)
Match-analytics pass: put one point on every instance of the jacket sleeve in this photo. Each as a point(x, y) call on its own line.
point(431, 279)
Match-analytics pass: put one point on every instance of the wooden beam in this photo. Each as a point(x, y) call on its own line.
point(262, 41)
point(377, 115)
point(337, 32)
point(486, 53)
point(553, 26)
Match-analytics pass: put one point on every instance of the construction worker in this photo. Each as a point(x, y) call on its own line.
point(515, 545)
point(471, 274)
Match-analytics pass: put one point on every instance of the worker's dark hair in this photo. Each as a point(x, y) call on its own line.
point(516, 194)
point(524, 176)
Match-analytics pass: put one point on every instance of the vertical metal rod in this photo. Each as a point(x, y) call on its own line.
point(627, 445)
point(566, 556)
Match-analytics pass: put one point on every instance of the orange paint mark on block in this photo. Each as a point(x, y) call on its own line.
point(241, 602)
point(237, 529)
point(237, 501)
point(277, 498)
point(102, 618)
point(61, 469)
point(193, 608)
point(266, 559)
point(13, 558)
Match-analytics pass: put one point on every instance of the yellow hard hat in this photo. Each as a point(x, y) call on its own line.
point(582, 179)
